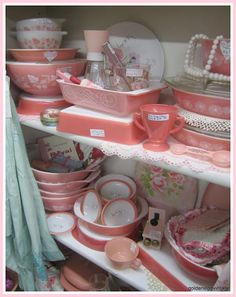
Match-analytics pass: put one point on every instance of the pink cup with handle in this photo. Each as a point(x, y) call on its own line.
point(122, 253)
point(159, 121)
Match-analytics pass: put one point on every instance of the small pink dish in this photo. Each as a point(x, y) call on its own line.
point(119, 212)
point(34, 105)
point(68, 186)
point(122, 253)
point(203, 141)
point(43, 55)
point(59, 223)
point(91, 206)
point(113, 186)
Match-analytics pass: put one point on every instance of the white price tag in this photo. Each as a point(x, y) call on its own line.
point(158, 117)
point(97, 132)
point(134, 72)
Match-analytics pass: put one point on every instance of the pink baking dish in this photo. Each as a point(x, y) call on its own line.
point(99, 125)
point(43, 55)
point(40, 78)
point(112, 230)
point(203, 141)
point(34, 105)
point(51, 177)
point(68, 186)
point(208, 105)
point(112, 102)
point(221, 61)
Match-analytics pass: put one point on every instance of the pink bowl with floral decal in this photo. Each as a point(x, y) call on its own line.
point(40, 78)
point(203, 141)
point(44, 24)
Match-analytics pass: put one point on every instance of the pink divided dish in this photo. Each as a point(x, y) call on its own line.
point(90, 123)
point(112, 102)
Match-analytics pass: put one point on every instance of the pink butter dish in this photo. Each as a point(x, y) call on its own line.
point(108, 101)
point(99, 125)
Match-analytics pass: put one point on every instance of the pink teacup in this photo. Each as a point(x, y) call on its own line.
point(94, 40)
point(159, 121)
point(123, 252)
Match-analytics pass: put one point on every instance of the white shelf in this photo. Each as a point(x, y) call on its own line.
point(141, 279)
point(182, 164)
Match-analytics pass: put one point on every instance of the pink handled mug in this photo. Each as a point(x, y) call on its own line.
point(159, 121)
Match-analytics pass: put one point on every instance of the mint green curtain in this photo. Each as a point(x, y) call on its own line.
point(28, 242)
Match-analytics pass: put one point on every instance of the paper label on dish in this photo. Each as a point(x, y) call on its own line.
point(134, 72)
point(158, 117)
point(97, 132)
point(50, 56)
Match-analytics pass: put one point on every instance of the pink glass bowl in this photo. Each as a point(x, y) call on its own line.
point(43, 55)
point(40, 78)
point(59, 204)
point(203, 141)
point(208, 105)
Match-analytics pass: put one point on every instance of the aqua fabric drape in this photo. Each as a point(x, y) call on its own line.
point(28, 242)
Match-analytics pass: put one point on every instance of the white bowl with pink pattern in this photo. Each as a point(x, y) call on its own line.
point(44, 24)
point(39, 39)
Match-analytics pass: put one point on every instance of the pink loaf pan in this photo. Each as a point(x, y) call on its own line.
point(30, 105)
point(100, 126)
point(111, 102)
point(203, 141)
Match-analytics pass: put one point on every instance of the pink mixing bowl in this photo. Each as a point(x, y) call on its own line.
point(40, 78)
point(59, 204)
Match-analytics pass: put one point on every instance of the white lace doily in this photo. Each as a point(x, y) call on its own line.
point(204, 122)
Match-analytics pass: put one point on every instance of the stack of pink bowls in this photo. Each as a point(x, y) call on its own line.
point(33, 66)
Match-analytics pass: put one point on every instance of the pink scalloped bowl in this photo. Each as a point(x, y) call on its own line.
point(221, 61)
point(68, 186)
point(40, 78)
point(212, 106)
point(112, 230)
point(43, 55)
point(29, 105)
point(51, 177)
point(59, 204)
point(203, 141)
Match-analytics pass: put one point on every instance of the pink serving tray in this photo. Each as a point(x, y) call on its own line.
point(93, 124)
point(112, 102)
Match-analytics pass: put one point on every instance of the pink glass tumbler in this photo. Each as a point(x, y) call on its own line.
point(159, 121)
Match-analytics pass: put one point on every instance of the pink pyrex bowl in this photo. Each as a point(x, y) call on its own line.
point(44, 24)
point(59, 204)
point(208, 105)
point(43, 55)
point(112, 230)
point(51, 177)
point(40, 78)
point(68, 186)
point(112, 102)
point(210, 143)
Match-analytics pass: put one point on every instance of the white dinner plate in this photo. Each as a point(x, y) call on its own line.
point(137, 41)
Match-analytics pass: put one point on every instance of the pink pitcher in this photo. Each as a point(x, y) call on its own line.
point(159, 121)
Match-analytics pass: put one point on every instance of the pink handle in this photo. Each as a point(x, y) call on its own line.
point(137, 119)
point(180, 126)
point(136, 264)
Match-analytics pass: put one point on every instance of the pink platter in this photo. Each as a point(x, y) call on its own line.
point(203, 141)
point(68, 186)
point(43, 55)
point(51, 177)
point(34, 105)
point(208, 105)
point(112, 230)
point(112, 102)
point(99, 125)
point(40, 78)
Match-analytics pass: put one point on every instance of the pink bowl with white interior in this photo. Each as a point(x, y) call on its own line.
point(208, 105)
point(91, 206)
point(68, 186)
point(40, 78)
point(59, 204)
point(203, 141)
point(99, 228)
point(113, 186)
